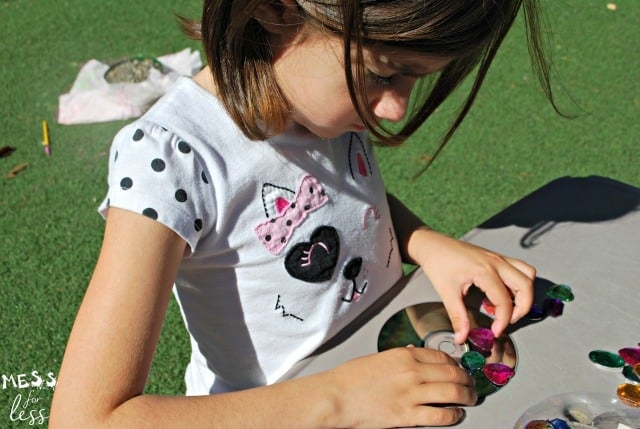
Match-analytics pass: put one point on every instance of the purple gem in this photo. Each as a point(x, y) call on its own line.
point(535, 313)
point(630, 355)
point(553, 307)
point(498, 373)
point(481, 339)
point(559, 424)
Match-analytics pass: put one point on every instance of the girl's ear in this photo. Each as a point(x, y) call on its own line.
point(278, 16)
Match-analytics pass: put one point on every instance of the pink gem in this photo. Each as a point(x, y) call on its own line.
point(630, 355)
point(498, 373)
point(481, 339)
point(488, 308)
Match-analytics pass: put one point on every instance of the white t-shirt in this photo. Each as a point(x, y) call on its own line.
point(288, 239)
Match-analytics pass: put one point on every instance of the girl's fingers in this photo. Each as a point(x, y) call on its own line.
point(508, 284)
point(457, 312)
point(436, 416)
point(444, 393)
point(523, 297)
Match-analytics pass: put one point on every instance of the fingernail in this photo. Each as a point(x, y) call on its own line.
point(462, 414)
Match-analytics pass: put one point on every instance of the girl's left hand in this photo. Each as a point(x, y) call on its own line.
point(453, 266)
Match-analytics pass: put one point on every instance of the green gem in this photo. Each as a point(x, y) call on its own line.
point(561, 292)
point(605, 358)
point(630, 373)
point(483, 386)
point(472, 361)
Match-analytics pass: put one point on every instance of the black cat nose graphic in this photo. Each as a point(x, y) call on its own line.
point(352, 269)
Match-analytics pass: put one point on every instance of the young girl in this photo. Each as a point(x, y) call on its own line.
point(252, 192)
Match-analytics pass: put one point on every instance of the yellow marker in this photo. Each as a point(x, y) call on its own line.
point(45, 138)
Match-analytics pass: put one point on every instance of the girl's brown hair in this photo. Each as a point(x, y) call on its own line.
point(237, 49)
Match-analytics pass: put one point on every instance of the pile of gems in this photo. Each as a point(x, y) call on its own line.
point(577, 420)
point(490, 377)
point(628, 359)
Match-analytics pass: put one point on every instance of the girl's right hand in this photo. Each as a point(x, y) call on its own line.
point(401, 387)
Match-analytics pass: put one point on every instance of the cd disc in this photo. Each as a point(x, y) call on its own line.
point(428, 325)
point(444, 341)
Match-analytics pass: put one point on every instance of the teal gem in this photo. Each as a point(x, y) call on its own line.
point(561, 292)
point(483, 386)
point(472, 361)
point(605, 358)
point(630, 373)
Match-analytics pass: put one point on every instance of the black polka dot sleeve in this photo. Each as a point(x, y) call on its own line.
point(159, 175)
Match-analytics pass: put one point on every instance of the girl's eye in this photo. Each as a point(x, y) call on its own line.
point(379, 80)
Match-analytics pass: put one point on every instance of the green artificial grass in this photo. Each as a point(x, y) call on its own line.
point(511, 143)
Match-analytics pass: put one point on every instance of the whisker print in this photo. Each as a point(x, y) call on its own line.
point(391, 240)
point(284, 311)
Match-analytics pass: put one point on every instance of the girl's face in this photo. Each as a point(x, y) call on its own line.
point(310, 72)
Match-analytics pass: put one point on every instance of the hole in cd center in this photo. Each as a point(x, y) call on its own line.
point(447, 346)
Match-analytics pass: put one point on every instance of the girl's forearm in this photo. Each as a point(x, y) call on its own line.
point(407, 226)
point(303, 403)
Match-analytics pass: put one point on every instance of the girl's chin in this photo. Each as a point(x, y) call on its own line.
point(297, 129)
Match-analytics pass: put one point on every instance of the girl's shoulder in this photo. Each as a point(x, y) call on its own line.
point(191, 112)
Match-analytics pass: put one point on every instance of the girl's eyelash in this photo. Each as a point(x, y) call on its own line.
point(379, 80)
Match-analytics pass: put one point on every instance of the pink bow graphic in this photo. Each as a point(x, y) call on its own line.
point(275, 233)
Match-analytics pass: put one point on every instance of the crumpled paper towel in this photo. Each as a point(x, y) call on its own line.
point(93, 99)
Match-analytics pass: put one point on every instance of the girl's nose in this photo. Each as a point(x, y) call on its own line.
point(391, 105)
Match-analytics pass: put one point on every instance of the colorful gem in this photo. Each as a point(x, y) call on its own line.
point(630, 355)
point(561, 292)
point(535, 314)
point(629, 394)
point(559, 424)
point(631, 372)
point(498, 373)
point(553, 307)
point(605, 358)
point(488, 308)
point(472, 361)
point(481, 339)
point(538, 424)
point(483, 386)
